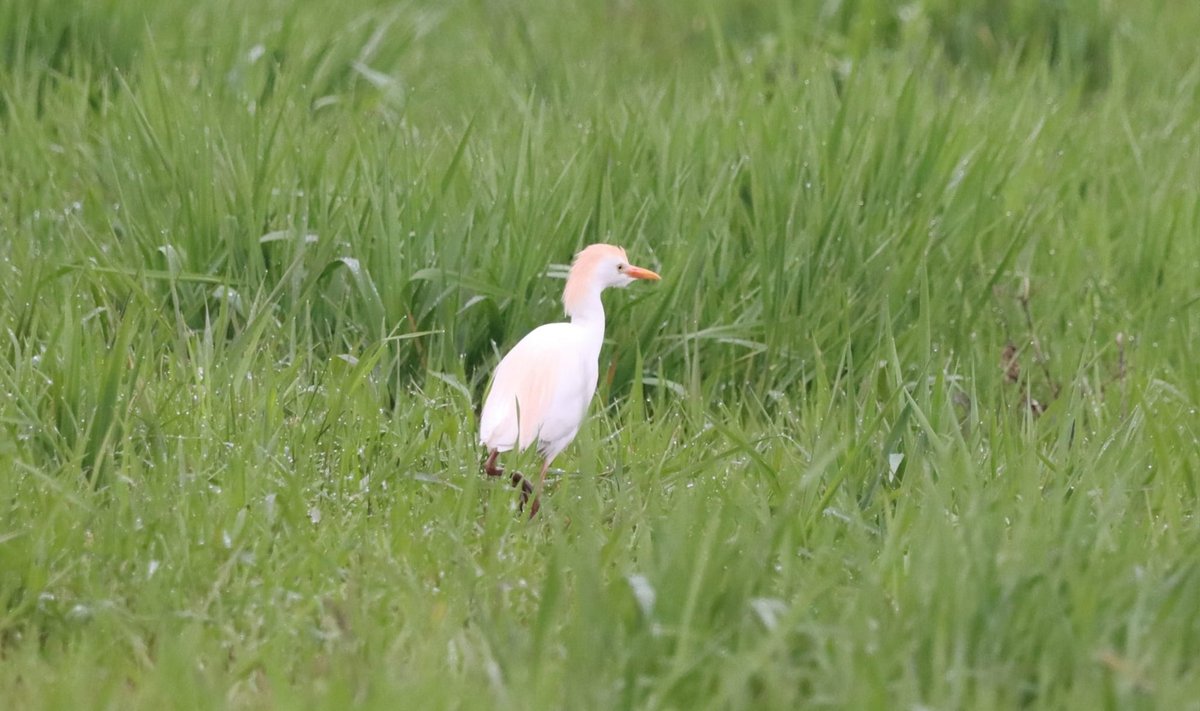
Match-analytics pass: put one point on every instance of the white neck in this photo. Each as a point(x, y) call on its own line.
point(588, 314)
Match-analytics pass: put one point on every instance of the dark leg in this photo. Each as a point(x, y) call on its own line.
point(489, 467)
point(526, 490)
point(537, 500)
point(492, 469)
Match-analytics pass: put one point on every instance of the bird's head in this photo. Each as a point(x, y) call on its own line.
point(596, 268)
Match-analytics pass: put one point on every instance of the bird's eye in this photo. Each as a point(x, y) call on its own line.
point(620, 267)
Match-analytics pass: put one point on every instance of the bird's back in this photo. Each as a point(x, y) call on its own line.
point(541, 390)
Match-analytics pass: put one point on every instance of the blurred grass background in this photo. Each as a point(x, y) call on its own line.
point(910, 421)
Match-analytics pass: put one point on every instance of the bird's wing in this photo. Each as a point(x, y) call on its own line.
point(528, 384)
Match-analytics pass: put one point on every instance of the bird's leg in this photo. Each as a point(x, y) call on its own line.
point(489, 467)
point(492, 469)
point(526, 490)
point(537, 499)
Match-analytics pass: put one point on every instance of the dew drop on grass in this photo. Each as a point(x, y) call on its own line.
point(643, 592)
point(768, 610)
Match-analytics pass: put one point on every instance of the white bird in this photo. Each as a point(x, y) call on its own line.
point(541, 388)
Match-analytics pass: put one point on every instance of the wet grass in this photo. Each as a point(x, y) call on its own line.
point(910, 422)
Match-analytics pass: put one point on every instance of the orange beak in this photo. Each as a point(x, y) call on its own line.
point(640, 273)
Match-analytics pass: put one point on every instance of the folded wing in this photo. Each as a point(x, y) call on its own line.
point(535, 395)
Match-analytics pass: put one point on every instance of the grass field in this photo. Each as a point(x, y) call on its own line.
point(910, 422)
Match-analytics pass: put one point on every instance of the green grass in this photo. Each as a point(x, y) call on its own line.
point(258, 260)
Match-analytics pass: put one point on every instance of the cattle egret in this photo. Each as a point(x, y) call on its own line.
point(541, 389)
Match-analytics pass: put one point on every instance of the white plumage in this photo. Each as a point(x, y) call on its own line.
point(552, 370)
point(541, 388)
